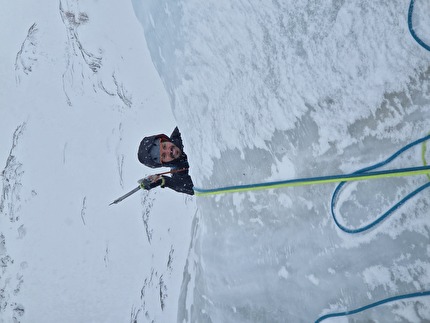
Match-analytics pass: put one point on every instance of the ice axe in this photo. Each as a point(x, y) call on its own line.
point(119, 199)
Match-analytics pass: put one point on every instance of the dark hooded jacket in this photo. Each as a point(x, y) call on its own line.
point(180, 181)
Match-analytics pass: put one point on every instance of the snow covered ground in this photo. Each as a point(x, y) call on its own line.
point(261, 90)
point(78, 92)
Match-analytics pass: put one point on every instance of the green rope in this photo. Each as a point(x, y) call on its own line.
point(365, 174)
point(316, 180)
point(423, 155)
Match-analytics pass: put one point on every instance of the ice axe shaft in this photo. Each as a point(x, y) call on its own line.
point(119, 199)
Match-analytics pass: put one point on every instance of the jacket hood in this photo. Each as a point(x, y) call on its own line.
point(147, 143)
point(145, 146)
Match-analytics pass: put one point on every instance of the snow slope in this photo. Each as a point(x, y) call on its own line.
point(261, 90)
point(271, 90)
point(78, 92)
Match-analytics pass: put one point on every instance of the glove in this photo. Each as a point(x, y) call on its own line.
point(145, 183)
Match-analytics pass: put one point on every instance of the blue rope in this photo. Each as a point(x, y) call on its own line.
point(364, 308)
point(374, 223)
point(392, 209)
point(411, 28)
point(378, 220)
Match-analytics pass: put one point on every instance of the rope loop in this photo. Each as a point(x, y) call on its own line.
point(411, 28)
point(379, 219)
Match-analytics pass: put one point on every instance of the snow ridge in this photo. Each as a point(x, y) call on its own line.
point(11, 227)
point(26, 57)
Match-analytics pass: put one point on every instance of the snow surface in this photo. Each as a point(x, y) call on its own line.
point(261, 90)
point(78, 93)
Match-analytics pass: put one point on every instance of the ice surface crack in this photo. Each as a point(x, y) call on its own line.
point(11, 180)
point(121, 92)
point(72, 21)
point(27, 55)
point(84, 207)
point(11, 279)
point(147, 203)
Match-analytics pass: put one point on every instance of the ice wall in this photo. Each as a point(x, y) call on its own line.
point(284, 89)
